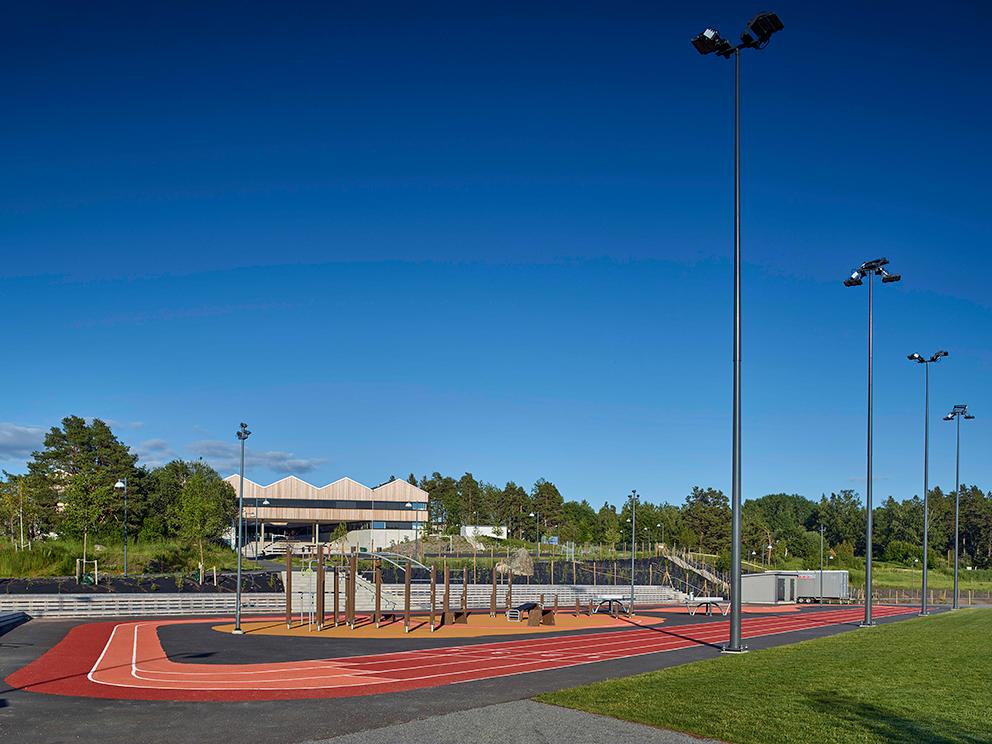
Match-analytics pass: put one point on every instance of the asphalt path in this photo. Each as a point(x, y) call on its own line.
point(31, 717)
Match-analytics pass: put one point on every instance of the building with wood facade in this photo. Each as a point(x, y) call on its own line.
point(296, 510)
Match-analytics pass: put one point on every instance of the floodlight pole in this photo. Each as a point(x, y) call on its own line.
point(957, 504)
point(243, 435)
point(633, 526)
point(868, 622)
point(735, 503)
point(821, 563)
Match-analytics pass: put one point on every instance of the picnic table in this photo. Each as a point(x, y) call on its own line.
point(694, 603)
point(610, 599)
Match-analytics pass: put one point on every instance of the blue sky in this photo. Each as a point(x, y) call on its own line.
point(495, 238)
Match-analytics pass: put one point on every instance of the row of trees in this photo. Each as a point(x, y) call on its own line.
point(789, 523)
point(70, 490)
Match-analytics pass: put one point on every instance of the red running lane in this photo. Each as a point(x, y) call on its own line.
point(126, 660)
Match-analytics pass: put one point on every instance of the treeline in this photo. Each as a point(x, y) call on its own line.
point(788, 523)
point(70, 490)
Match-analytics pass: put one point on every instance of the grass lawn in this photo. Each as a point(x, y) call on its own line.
point(921, 680)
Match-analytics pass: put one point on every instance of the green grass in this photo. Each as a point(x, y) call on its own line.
point(58, 558)
point(920, 680)
point(897, 577)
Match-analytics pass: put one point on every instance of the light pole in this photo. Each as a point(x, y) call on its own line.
point(122, 483)
point(265, 502)
point(821, 563)
point(869, 269)
point(416, 526)
point(537, 526)
point(633, 527)
point(959, 412)
point(759, 33)
point(926, 462)
point(242, 434)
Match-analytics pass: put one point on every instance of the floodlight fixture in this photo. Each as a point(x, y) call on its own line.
point(760, 29)
point(119, 484)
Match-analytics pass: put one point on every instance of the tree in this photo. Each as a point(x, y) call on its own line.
point(90, 453)
point(88, 504)
point(707, 515)
point(203, 509)
point(546, 503)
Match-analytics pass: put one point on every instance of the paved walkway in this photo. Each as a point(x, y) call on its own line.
point(522, 720)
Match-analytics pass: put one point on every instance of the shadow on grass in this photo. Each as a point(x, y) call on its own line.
point(890, 726)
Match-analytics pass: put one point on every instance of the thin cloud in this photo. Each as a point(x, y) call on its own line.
point(226, 457)
point(19, 441)
point(155, 452)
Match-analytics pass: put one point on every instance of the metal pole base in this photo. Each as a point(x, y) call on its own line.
point(866, 625)
point(237, 631)
point(924, 613)
point(741, 650)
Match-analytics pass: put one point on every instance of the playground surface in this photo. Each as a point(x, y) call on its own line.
point(61, 668)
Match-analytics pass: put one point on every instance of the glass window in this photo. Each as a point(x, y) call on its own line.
point(378, 525)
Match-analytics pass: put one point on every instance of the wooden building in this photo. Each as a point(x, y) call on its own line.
point(298, 510)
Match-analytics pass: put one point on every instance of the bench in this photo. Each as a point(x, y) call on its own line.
point(537, 614)
point(693, 605)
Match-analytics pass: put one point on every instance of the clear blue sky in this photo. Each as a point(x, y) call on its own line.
point(495, 237)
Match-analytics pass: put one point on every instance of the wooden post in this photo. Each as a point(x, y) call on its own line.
point(321, 588)
point(446, 617)
point(289, 588)
point(433, 596)
point(475, 578)
point(465, 589)
point(377, 572)
point(509, 589)
point(594, 580)
point(650, 573)
point(574, 582)
point(353, 576)
point(337, 594)
point(578, 608)
point(406, 597)
point(614, 573)
point(552, 572)
point(215, 575)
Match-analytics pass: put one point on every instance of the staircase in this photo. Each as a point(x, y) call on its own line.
point(700, 569)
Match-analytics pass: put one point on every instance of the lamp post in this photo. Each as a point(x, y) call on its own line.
point(537, 524)
point(122, 483)
point(416, 526)
point(869, 269)
point(926, 463)
point(265, 502)
point(242, 434)
point(959, 412)
point(633, 544)
point(821, 563)
point(759, 32)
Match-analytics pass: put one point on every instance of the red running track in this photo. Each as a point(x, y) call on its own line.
point(126, 660)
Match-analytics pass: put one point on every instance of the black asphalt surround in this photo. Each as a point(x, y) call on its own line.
point(51, 719)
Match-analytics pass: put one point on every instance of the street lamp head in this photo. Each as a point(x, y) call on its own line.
point(854, 280)
point(968, 417)
point(119, 484)
point(938, 355)
point(914, 357)
point(949, 417)
point(243, 432)
point(889, 278)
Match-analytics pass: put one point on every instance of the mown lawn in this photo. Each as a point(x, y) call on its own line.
point(920, 680)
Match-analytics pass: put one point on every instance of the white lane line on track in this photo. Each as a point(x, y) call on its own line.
point(831, 619)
